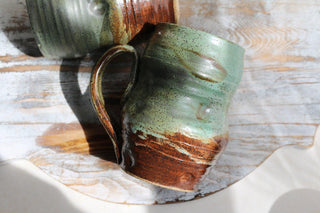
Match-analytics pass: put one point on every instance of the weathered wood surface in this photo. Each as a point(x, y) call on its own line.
point(46, 116)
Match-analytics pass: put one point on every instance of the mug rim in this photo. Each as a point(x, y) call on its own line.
point(201, 32)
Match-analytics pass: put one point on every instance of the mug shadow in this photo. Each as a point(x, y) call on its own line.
point(17, 28)
point(96, 137)
point(114, 84)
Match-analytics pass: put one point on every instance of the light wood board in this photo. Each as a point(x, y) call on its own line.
point(46, 115)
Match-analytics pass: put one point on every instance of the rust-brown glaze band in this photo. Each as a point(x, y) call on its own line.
point(177, 162)
point(137, 13)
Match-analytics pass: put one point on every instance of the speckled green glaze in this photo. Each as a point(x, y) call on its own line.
point(68, 29)
point(184, 85)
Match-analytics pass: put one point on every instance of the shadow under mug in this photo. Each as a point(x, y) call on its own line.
point(73, 28)
point(174, 115)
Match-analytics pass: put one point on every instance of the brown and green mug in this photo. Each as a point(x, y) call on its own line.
point(174, 116)
point(73, 28)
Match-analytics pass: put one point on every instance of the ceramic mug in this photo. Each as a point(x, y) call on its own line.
point(174, 117)
point(70, 29)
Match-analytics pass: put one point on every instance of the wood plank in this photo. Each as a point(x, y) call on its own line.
point(46, 116)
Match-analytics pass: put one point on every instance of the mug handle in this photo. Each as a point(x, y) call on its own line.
point(96, 90)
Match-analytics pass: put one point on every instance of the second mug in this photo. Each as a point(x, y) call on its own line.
point(73, 28)
point(174, 117)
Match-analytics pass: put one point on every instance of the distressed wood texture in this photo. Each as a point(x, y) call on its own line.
point(46, 116)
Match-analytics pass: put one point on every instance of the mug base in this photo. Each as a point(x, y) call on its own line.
point(162, 163)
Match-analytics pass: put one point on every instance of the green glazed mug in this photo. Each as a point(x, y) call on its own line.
point(73, 28)
point(174, 116)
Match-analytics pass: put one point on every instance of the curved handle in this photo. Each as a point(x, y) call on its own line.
point(96, 91)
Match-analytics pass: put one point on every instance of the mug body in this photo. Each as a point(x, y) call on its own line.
point(71, 29)
point(175, 116)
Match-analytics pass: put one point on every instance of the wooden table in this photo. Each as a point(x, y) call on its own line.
point(46, 116)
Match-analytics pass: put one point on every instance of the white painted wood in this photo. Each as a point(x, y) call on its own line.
point(46, 116)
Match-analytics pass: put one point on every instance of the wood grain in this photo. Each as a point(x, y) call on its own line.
point(46, 116)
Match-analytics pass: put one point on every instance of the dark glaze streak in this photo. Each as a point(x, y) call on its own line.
point(134, 14)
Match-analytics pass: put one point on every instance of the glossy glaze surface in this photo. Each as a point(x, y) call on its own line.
point(186, 78)
point(174, 124)
point(70, 29)
point(175, 118)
